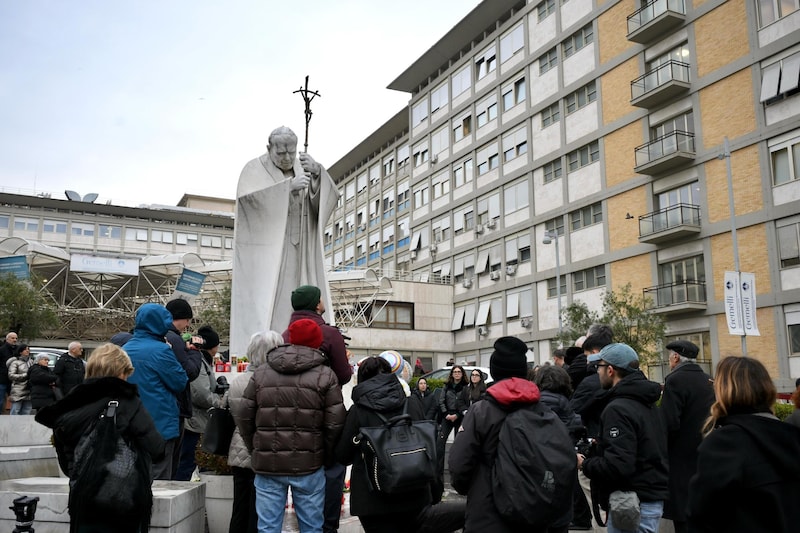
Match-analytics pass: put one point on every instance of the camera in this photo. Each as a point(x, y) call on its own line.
point(584, 445)
point(222, 385)
point(195, 340)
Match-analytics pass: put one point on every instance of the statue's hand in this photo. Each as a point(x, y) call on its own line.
point(309, 165)
point(300, 182)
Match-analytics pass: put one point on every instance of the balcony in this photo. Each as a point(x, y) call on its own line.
point(680, 297)
point(655, 19)
point(665, 153)
point(660, 85)
point(672, 223)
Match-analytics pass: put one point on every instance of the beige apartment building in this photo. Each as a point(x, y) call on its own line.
point(597, 127)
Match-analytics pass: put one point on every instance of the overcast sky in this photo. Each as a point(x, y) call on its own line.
point(144, 101)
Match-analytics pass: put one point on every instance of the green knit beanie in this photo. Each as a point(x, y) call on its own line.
point(306, 298)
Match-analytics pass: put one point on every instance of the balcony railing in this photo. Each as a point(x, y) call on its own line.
point(665, 152)
point(669, 223)
point(677, 297)
point(660, 84)
point(654, 19)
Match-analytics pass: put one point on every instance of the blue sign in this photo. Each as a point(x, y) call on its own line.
point(16, 265)
point(190, 282)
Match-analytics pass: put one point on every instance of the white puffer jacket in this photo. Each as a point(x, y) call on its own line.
point(18, 374)
point(238, 455)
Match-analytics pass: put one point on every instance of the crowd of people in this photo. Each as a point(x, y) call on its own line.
point(683, 451)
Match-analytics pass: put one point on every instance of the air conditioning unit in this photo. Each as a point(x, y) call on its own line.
point(491, 224)
point(467, 283)
point(525, 322)
point(362, 227)
point(413, 254)
point(511, 270)
point(483, 331)
point(494, 274)
point(433, 248)
point(478, 229)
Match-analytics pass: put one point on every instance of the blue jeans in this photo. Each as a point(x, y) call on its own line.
point(651, 516)
point(308, 495)
point(22, 407)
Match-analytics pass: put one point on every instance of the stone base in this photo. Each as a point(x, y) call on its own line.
point(178, 507)
point(26, 450)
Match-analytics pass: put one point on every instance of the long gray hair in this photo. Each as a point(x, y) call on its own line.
point(260, 344)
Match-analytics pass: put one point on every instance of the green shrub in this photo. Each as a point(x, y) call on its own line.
point(782, 410)
point(433, 384)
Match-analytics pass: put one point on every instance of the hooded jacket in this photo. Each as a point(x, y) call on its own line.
point(383, 394)
point(157, 373)
point(474, 450)
point(632, 448)
point(333, 345)
point(748, 477)
point(291, 413)
point(190, 360)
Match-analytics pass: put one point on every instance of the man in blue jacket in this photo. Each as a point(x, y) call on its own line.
point(159, 376)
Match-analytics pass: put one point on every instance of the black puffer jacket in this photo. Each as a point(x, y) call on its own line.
point(632, 448)
point(42, 380)
point(383, 394)
point(69, 371)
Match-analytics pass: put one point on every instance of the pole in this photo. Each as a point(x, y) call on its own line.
point(726, 155)
point(558, 285)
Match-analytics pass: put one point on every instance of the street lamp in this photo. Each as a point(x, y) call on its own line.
point(552, 236)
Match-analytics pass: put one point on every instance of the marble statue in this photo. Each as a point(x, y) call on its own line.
point(282, 205)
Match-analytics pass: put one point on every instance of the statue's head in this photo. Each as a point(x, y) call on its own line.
point(282, 148)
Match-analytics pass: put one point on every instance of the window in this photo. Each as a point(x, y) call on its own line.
point(362, 182)
point(32, 224)
point(681, 123)
point(462, 173)
point(515, 144)
point(555, 224)
point(110, 232)
point(189, 239)
point(589, 279)
point(548, 60)
point(419, 112)
point(78, 228)
point(374, 174)
point(441, 229)
point(486, 110)
point(511, 43)
point(513, 94)
point(138, 234)
point(552, 170)
point(420, 154)
point(388, 204)
point(789, 245)
point(771, 10)
point(552, 290)
point(463, 220)
point(388, 165)
point(440, 141)
point(785, 159)
point(591, 214)
point(4, 222)
point(488, 158)
point(392, 315)
point(156, 236)
point(402, 156)
point(545, 9)
point(691, 269)
point(680, 53)
point(229, 243)
point(439, 97)
point(422, 196)
point(580, 98)
point(488, 208)
point(211, 241)
point(578, 40)
point(464, 268)
point(441, 185)
point(780, 79)
point(583, 156)
point(518, 249)
point(515, 197)
point(461, 127)
point(550, 115)
point(54, 226)
point(350, 190)
point(402, 196)
point(462, 81)
point(485, 63)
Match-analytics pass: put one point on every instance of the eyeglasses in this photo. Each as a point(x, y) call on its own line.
point(456, 371)
point(600, 364)
point(476, 375)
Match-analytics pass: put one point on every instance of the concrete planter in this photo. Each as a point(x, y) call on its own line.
point(219, 501)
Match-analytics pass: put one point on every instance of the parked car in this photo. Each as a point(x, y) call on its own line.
point(443, 373)
point(52, 353)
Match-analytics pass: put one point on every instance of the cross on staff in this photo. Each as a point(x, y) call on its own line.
point(305, 92)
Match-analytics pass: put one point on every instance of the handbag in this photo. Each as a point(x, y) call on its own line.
point(400, 455)
point(57, 394)
point(623, 510)
point(219, 431)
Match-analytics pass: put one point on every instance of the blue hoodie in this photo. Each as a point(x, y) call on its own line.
point(157, 373)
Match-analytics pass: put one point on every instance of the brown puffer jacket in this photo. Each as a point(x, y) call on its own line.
point(291, 413)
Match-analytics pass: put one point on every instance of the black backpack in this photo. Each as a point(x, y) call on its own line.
point(110, 477)
point(400, 455)
point(535, 468)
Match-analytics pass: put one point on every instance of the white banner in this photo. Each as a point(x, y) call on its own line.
point(748, 284)
point(733, 304)
point(103, 265)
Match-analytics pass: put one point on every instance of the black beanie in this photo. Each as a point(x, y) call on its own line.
point(210, 336)
point(179, 309)
point(306, 298)
point(509, 359)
